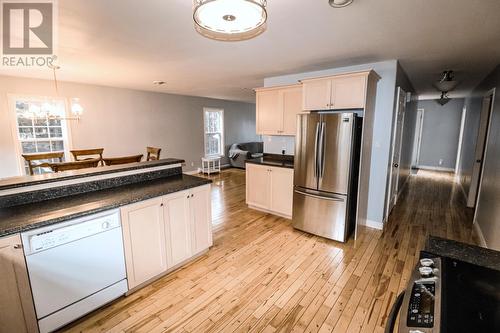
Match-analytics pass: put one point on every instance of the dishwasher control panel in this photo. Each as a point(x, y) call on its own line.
point(58, 234)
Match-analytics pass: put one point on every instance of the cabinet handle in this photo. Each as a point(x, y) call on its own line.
point(192, 195)
point(18, 246)
point(161, 205)
point(188, 196)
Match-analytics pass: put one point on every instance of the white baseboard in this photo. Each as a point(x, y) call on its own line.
point(482, 241)
point(434, 168)
point(374, 224)
point(193, 172)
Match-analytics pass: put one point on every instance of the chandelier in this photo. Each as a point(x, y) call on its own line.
point(230, 20)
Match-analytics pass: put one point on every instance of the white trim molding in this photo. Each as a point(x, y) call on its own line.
point(374, 224)
point(434, 168)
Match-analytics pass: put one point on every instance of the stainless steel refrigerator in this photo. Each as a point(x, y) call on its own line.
point(327, 151)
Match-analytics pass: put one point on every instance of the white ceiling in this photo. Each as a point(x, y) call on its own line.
point(130, 43)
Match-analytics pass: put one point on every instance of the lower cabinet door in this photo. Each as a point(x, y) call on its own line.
point(17, 312)
point(144, 241)
point(282, 191)
point(178, 227)
point(258, 186)
point(201, 220)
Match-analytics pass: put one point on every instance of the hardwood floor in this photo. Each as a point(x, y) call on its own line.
point(263, 276)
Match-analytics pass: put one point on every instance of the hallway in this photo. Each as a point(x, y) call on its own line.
point(263, 276)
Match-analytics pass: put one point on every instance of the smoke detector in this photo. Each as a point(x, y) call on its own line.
point(339, 3)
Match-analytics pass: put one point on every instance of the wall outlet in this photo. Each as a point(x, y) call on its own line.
point(441, 161)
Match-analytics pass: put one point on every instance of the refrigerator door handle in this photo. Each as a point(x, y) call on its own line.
point(322, 143)
point(318, 196)
point(316, 137)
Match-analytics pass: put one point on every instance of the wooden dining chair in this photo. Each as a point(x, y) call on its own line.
point(77, 165)
point(43, 160)
point(87, 154)
point(122, 160)
point(153, 153)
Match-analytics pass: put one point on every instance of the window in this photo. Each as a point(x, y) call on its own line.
point(214, 132)
point(39, 130)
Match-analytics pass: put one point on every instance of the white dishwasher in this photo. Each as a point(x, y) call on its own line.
point(75, 267)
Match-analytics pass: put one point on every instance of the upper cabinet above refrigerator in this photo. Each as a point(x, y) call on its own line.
point(340, 92)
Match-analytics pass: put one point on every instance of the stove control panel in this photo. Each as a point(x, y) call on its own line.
point(421, 306)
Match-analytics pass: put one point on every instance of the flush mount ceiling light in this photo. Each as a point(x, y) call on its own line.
point(340, 3)
point(447, 82)
point(230, 20)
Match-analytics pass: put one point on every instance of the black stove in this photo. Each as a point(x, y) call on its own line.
point(448, 296)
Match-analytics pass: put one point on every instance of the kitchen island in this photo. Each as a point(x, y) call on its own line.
point(72, 242)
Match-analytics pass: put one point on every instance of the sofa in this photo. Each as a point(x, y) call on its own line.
point(240, 152)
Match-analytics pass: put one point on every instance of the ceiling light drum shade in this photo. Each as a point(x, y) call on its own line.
point(340, 3)
point(230, 20)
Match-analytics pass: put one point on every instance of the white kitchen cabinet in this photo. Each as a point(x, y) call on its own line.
point(269, 116)
point(162, 233)
point(317, 94)
point(201, 224)
point(292, 106)
point(178, 227)
point(258, 186)
point(144, 241)
point(277, 109)
point(282, 191)
point(17, 312)
point(346, 91)
point(269, 189)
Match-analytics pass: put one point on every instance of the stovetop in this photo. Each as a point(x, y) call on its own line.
point(471, 298)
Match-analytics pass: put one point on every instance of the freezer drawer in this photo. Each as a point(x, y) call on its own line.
point(324, 216)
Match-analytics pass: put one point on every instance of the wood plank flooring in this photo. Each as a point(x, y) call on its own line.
point(263, 276)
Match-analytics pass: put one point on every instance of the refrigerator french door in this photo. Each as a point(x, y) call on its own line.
point(326, 173)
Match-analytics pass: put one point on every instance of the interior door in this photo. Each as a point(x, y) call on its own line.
point(396, 157)
point(479, 154)
point(335, 145)
point(306, 149)
point(178, 227)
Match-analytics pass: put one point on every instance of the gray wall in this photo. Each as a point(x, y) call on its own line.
point(440, 133)
point(381, 139)
point(124, 121)
point(239, 125)
point(488, 207)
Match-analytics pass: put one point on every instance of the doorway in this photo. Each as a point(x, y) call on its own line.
point(396, 151)
point(417, 141)
point(482, 140)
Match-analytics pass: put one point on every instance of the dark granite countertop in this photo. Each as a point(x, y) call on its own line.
point(281, 161)
point(465, 252)
point(26, 217)
point(14, 182)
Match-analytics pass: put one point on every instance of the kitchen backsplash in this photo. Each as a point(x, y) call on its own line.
point(275, 144)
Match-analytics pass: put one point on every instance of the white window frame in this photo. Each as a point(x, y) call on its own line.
point(67, 137)
point(223, 147)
